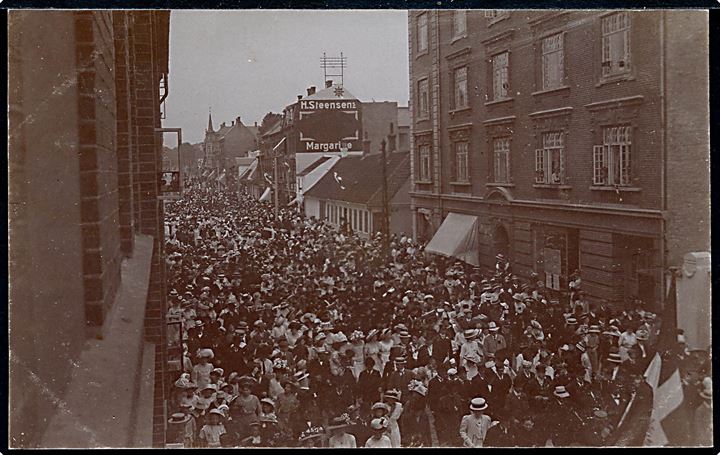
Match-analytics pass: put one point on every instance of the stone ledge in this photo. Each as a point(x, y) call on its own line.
point(102, 402)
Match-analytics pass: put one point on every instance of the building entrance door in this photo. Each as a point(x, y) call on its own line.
point(501, 241)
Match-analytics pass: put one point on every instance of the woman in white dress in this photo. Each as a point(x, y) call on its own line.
point(396, 408)
point(386, 343)
point(358, 347)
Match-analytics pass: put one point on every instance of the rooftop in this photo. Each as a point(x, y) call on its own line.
point(361, 176)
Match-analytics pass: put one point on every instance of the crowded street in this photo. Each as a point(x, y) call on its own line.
point(299, 334)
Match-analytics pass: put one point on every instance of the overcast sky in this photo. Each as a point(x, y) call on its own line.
point(247, 63)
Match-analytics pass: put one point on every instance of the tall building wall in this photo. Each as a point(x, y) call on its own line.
point(46, 309)
point(688, 144)
point(83, 157)
point(614, 234)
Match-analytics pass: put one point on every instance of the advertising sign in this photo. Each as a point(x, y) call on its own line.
point(330, 126)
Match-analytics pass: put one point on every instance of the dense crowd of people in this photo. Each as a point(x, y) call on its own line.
point(297, 333)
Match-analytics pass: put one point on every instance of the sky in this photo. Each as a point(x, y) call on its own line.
point(247, 63)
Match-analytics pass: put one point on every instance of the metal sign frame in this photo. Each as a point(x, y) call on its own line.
point(170, 196)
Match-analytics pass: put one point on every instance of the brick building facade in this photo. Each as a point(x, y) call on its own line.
point(570, 135)
point(84, 159)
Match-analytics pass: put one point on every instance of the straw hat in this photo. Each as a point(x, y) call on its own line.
point(393, 394)
point(478, 404)
point(379, 424)
point(561, 392)
point(341, 421)
point(614, 357)
point(380, 405)
point(206, 353)
point(179, 417)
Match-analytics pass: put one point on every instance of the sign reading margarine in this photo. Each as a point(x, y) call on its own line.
point(330, 125)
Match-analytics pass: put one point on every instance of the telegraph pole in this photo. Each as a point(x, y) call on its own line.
point(275, 183)
point(386, 212)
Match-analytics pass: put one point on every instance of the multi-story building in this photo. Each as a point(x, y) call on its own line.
point(232, 141)
point(86, 243)
point(324, 124)
point(577, 139)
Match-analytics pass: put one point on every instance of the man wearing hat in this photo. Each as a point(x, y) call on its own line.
point(471, 350)
point(493, 341)
point(369, 384)
point(474, 426)
point(399, 377)
point(563, 421)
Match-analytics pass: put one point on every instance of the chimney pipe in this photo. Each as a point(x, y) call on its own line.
point(255, 124)
point(299, 97)
point(328, 84)
point(237, 120)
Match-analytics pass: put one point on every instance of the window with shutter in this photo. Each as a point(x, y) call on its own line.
point(553, 71)
point(459, 23)
point(501, 160)
point(461, 99)
point(539, 166)
point(612, 160)
point(500, 76)
point(422, 32)
point(599, 165)
point(615, 44)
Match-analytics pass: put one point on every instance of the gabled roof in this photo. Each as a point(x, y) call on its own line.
point(223, 131)
point(334, 92)
point(362, 179)
point(276, 128)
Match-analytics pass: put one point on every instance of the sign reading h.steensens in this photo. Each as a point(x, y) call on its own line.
point(329, 126)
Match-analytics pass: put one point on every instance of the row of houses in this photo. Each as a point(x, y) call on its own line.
point(324, 153)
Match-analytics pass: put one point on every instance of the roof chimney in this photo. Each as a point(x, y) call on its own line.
point(299, 97)
point(255, 124)
point(223, 124)
point(311, 90)
point(237, 120)
point(328, 84)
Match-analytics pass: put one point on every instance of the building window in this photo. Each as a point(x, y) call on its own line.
point(424, 155)
point(461, 162)
point(423, 98)
point(459, 23)
point(553, 70)
point(500, 76)
point(422, 32)
point(549, 160)
point(611, 161)
point(460, 78)
point(496, 15)
point(501, 160)
point(615, 44)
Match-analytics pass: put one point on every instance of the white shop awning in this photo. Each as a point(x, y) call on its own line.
point(457, 238)
point(266, 195)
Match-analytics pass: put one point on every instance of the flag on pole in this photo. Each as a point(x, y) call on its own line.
point(669, 418)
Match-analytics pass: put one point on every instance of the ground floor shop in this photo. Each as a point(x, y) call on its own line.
point(617, 250)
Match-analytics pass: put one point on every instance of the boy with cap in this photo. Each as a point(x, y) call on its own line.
point(212, 430)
